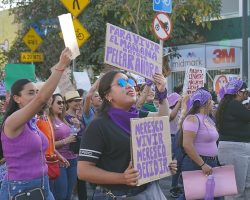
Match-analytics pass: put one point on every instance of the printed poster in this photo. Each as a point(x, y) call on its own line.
point(132, 52)
point(195, 77)
point(151, 148)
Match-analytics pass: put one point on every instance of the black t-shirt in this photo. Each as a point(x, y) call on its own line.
point(108, 146)
point(236, 123)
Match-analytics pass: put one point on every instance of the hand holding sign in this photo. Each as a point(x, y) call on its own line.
point(160, 82)
point(131, 175)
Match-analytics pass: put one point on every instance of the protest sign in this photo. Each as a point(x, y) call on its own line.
point(82, 80)
point(13, 72)
point(221, 80)
point(195, 77)
point(69, 35)
point(132, 52)
point(151, 148)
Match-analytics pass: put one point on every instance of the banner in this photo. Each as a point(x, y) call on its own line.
point(195, 77)
point(131, 52)
point(151, 148)
point(13, 72)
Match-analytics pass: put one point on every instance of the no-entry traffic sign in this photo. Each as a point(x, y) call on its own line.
point(162, 26)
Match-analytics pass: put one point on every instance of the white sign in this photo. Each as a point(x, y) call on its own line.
point(218, 57)
point(162, 6)
point(132, 52)
point(69, 35)
point(194, 57)
point(82, 80)
point(195, 77)
point(162, 26)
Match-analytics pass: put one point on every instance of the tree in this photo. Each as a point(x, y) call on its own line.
point(134, 15)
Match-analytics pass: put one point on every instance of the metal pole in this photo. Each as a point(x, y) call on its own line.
point(73, 69)
point(161, 46)
point(244, 25)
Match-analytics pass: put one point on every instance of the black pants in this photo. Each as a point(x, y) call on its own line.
point(81, 189)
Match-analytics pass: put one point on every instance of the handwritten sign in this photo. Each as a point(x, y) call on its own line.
point(131, 52)
point(151, 148)
point(195, 77)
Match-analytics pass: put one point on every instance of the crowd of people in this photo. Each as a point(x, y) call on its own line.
point(61, 142)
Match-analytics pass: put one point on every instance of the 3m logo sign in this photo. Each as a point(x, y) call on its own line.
point(224, 56)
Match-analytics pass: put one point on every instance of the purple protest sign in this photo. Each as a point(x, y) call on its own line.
point(131, 52)
point(151, 148)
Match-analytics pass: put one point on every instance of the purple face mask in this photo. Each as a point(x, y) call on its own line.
point(199, 95)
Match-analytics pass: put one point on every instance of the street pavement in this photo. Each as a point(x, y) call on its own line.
point(164, 183)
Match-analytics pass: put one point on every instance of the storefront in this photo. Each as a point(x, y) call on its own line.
point(217, 59)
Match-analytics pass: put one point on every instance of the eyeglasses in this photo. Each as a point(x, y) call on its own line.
point(123, 82)
point(60, 103)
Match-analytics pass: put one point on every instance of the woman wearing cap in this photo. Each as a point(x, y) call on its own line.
point(233, 125)
point(62, 186)
point(199, 135)
point(104, 157)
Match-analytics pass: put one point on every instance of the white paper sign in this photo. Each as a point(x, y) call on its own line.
point(82, 80)
point(69, 35)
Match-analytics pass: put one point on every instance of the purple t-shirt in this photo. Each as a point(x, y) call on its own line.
point(23, 154)
point(206, 134)
point(61, 131)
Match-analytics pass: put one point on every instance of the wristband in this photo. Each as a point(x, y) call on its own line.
point(148, 82)
point(202, 164)
point(60, 70)
point(161, 95)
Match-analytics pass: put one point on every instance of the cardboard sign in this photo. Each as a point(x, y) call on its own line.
point(195, 77)
point(151, 148)
point(131, 52)
point(69, 35)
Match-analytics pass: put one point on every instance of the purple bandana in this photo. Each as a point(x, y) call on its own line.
point(199, 95)
point(173, 98)
point(232, 87)
point(122, 118)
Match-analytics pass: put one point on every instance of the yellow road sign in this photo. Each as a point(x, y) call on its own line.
point(32, 39)
point(75, 7)
point(81, 33)
point(31, 57)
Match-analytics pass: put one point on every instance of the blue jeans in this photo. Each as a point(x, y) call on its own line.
point(16, 187)
point(63, 186)
point(189, 165)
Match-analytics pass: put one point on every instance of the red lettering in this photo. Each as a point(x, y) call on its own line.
point(222, 56)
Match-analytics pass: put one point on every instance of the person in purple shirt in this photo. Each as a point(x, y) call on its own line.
point(22, 143)
point(63, 186)
point(199, 135)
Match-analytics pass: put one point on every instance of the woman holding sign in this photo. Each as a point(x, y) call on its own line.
point(105, 157)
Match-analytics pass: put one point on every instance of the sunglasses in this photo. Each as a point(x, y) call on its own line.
point(123, 82)
point(60, 103)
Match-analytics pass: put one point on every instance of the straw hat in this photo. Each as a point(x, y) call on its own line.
point(72, 95)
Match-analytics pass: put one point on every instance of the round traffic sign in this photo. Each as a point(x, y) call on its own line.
point(162, 26)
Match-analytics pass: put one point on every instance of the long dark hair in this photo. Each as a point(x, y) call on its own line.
point(12, 107)
point(220, 111)
point(51, 114)
point(194, 110)
point(104, 88)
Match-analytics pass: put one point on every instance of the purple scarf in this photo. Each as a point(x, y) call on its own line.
point(122, 118)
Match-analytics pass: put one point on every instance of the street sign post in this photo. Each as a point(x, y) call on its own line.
point(162, 6)
point(32, 39)
point(81, 33)
point(75, 7)
point(30, 57)
point(162, 26)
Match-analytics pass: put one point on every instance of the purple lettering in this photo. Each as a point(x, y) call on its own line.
point(130, 62)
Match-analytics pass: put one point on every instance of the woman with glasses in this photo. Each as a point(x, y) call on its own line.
point(233, 125)
point(105, 157)
point(63, 186)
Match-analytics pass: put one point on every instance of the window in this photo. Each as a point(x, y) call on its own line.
point(230, 8)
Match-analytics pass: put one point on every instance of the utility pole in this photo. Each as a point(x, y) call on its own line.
point(244, 25)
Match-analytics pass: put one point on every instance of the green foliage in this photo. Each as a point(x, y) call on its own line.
point(134, 15)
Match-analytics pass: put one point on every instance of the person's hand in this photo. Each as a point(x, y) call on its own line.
point(160, 82)
point(206, 169)
point(70, 139)
point(131, 176)
point(76, 122)
point(173, 167)
point(64, 162)
point(65, 58)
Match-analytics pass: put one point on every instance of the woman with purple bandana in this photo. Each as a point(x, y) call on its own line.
point(23, 144)
point(199, 135)
point(105, 157)
point(233, 125)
